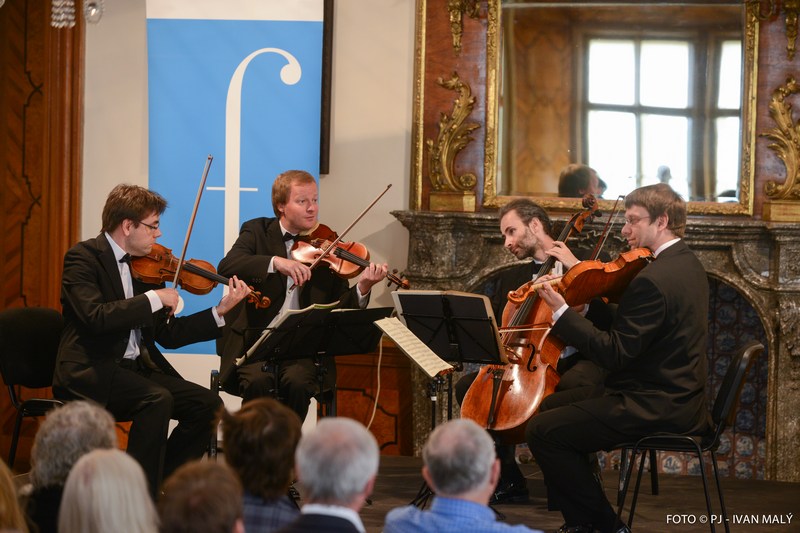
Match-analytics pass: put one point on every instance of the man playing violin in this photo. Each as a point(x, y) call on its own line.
point(655, 355)
point(262, 257)
point(527, 228)
point(112, 322)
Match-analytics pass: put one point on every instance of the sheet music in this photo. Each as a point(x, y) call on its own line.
point(415, 349)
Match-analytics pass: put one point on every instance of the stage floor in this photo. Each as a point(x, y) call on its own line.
point(751, 504)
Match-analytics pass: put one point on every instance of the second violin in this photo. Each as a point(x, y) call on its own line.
point(347, 259)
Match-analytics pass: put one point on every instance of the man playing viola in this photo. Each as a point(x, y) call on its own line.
point(262, 257)
point(526, 228)
point(655, 355)
point(112, 322)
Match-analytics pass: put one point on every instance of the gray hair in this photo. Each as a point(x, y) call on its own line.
point(106, 491)
point(336, 460)
point(67, 433)
point(459, 455)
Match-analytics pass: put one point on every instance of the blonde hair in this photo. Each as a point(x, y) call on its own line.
point(106, 491)
point(11, 517)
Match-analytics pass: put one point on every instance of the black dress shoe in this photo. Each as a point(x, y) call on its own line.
point(580, 528)
point(514, 492)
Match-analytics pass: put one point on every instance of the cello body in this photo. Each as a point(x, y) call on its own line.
point(524, 382)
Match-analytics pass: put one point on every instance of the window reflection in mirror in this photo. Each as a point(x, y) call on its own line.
point(641, 93)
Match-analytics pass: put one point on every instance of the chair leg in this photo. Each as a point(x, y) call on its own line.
point(213, 444)
point(653, 473)
point(638, 484)
point(705, 490)
point(12, 453)
point(623, 473)
point(719, 491)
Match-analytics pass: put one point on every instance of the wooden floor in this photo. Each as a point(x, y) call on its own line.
point(749, 503)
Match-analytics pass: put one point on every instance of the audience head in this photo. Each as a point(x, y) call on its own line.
point(577, 180)
point(660, 200)
point(460, 461)
point(106, 491)
point(260, 442)
point(337, 463)
point(130, 202)
point(282, 187)
point(201, 496)
point(11, 515)
point(67, 433)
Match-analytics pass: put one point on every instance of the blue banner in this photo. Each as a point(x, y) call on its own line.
point(246, 92)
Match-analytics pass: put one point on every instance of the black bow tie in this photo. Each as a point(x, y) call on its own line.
point(289, 237)
point(125, 258)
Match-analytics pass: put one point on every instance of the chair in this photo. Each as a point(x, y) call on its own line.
point(721, 416)
point(326, 406)
point(29, 338)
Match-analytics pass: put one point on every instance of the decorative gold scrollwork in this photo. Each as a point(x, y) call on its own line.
point(786, 141)
point(454, 135)
point(791, 8)
point(457, 9)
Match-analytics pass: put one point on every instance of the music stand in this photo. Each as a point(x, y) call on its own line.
point(316, 333)
point(460, 328)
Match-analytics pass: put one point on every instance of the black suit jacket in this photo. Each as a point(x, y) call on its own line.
point(98, 320)
point(259, 241)
point(319, 523)
point(655, 351)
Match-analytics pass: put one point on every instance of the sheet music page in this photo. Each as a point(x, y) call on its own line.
point(415, 349)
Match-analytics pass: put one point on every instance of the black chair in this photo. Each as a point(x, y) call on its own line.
point(29, 338)
point(326, 406)
point(721, 415)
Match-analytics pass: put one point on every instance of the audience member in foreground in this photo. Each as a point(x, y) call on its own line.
point(11, 516)
point(260, 442)
point(67, 433)
point(106, 491)
point(336, 467)
point(202, 496)
point(461, 468)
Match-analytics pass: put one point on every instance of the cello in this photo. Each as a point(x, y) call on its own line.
point(504, 397)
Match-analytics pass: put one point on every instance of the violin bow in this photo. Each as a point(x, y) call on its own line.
point(326, 252)
point(615, 210)
point(191, 220)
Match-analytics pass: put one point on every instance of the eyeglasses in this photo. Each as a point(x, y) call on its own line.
point(633, 220)
point(151, 227)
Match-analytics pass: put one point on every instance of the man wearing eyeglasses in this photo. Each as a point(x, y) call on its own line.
point(112, 322)
point(655, 355)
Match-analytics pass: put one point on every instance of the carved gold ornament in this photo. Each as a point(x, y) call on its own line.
point(457, 9)
point(791, 8)
point(454, 135)
point(786, 141)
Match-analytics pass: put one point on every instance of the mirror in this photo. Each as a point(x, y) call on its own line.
point(640, 91)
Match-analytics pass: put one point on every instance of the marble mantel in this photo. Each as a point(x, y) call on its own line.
point(459, 251)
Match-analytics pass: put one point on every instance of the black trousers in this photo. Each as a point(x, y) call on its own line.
point(298, 382)
point(149, 399)
point(561, 439)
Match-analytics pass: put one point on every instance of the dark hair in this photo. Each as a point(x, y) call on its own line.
point(260, 441)
point(130, 202)
point(574, 180)
point(282, 186)
point(200, 496)
point(527, 210)
point(660, 199)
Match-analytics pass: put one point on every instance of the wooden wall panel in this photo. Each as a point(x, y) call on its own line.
point(41, 92)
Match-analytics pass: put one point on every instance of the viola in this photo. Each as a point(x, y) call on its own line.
point(196, 276)
point(346, 259)
point(504, 398)
point(596, 279)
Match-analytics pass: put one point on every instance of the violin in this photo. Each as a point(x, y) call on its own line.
point(596, 279)
point(346, 259)
point(196, 276)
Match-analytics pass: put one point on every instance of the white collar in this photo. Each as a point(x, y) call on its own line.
point(335, 510)
point(665, 246)
point(118, 252)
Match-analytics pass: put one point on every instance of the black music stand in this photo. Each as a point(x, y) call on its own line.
point(460, 328)
point(316, 333)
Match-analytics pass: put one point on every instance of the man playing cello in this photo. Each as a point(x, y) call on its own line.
point(526, 229)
